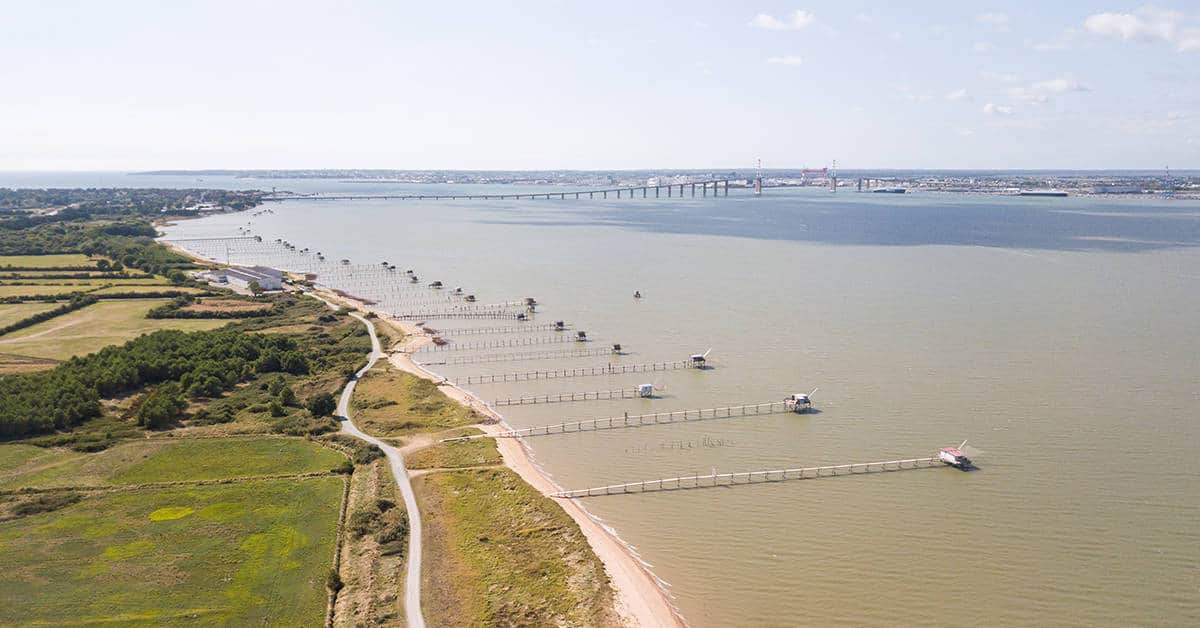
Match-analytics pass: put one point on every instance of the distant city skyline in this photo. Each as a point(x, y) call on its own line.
point(138, 85)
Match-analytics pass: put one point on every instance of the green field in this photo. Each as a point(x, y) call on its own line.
point(139, 288)
point(163, 460)
point(41, 289)
point(253, 552)
point(55, 275)
point(46, 261)
point(13, 312)
point(95, 327)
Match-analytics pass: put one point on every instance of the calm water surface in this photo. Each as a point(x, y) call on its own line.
point(1058, 335)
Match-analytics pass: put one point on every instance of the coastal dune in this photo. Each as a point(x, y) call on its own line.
point(640, 599)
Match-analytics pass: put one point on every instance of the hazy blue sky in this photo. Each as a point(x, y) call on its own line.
point(614, 84)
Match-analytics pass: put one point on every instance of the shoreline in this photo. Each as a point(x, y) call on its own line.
point(640, 597)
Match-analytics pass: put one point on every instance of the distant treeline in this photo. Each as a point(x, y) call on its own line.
point(130, 243)
point(203, 364)
point(175, 309)
point(96, 202)
point(45, 298)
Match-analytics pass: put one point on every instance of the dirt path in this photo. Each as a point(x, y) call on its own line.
point(412, 580)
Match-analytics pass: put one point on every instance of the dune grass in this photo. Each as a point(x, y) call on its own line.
point(95, 327)
point(254, 552)
point(372, 565)
point(164, 460)
point(498, 553)
point(389, 402)
point(457, 454)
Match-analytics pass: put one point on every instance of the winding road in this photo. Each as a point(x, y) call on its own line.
point(412, 592)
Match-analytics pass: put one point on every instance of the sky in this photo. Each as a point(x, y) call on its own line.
point(543, 84)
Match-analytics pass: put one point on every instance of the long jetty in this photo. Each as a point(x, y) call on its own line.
point(499, 344)
point(446, 315)
point(672, 190)
point(598, 395)
point(713, 480)
point(564, 354)
point(636, 420)
point(474, 331)
point(587, 371)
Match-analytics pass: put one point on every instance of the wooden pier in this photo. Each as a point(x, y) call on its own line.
point(599, 395)
point(564, 354)
point(637, 420)
point(587, 371)
point(500, 344)
point(475, 331)
point(434, 316)
point(751, 477)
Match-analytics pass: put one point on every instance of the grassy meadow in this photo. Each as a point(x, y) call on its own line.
point(95, 327)
point(237, 554)
point(60, 260)
point(13, 312)
point(154, 460)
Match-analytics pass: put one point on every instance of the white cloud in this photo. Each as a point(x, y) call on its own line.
point(865, 18)
point(1040, 92)
point(785, 60)
point(1028, 96)
point(798, 20)
point(1064, 41)
point(993, 109)
point(896, 36)
point(958, 94)
point(998, 76)
point(1060, 85)
point(997, 21)
point(966, 132)
point(1148, 25)
point(905, 91)
point(983, 47)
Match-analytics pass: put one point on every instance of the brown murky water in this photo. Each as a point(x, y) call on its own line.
point(1058, 335)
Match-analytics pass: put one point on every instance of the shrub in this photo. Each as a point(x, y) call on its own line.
point(322, 404)
point(333, 581)
point(161, 406)
point(46, 502)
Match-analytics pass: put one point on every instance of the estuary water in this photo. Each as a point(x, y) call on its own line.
point(1058, 335)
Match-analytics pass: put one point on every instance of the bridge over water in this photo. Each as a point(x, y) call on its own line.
point(718, 187)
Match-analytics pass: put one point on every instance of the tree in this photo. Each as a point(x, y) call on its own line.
point(177, 277)
point(103, 264)
point(322, 404)
point(161, 406)
point(255, 288)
